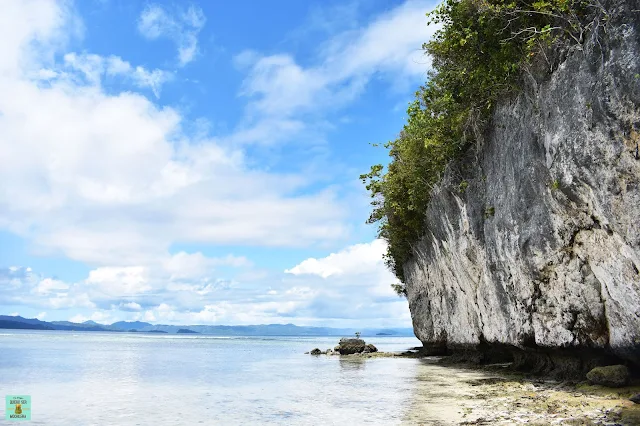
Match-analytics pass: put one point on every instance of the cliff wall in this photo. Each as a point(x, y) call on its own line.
point(537, 253)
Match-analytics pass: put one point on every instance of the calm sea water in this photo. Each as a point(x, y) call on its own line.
point(107, 378)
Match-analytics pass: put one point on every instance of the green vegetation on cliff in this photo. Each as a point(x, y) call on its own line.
point(478, 55)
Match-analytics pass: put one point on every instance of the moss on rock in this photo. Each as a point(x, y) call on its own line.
point(614, 376)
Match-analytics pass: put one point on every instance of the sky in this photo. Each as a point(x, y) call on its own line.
point(198, 162)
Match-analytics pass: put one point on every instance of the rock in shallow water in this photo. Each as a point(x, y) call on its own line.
point(635, 398)
point(369, 348)
point(316, 351)
point(350, 346)
point(613, 376)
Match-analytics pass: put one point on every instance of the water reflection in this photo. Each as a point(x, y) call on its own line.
point(352, 364)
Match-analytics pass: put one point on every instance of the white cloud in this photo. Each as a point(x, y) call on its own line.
point(32, 33)
point(352, 283)
point(97, 316)
point(79, 318)
point(348, 288)
point(94, 68)
point(48, 286)
point(182, 27)
point(184, 265)
point(130, 307)
point(149, 316)
point(119, 282)
point(41, 316)
point(72, 299)
point(278, 86)
point(353, 260)
point(102, 317)
point(114, 181)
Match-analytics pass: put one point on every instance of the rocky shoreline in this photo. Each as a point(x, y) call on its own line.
point(498, 394)
point(469, 394)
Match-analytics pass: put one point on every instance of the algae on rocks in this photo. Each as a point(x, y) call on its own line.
point(614, 376)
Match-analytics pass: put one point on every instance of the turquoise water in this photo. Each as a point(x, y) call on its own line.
point(107, 378)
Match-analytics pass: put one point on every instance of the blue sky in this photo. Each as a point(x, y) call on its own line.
point(198, 162)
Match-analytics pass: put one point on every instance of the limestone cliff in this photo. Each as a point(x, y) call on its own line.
point(538, 252)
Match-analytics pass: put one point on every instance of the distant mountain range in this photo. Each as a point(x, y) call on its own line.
point(16, 322)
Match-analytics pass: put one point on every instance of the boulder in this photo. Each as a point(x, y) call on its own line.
point(351, 346)
point(316, 351)
point(635, 398)
point(613, 376)
point(369, 348)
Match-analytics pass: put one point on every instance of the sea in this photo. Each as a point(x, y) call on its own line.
point(86, 378)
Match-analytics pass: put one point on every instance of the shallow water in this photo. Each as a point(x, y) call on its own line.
point(108, 378)
point(79, 378)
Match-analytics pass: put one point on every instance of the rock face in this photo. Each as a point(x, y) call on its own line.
point(614, 376)
point(540, 255)
point(350, 346)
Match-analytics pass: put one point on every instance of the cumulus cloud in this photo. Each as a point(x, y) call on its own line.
point(180, 26)
point(48, 286)
point(113, 179)
point(348, 288)
point(279, 87)
point(23, 286)
point(98, 316)
point(130, 307)
point(353, 283)
point(124, 289)
point(79, 318)
point(119, 282)
point(353, 260)
point(184, 265)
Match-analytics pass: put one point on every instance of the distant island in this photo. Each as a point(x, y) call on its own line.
point(186, 331)
point(20, 323)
